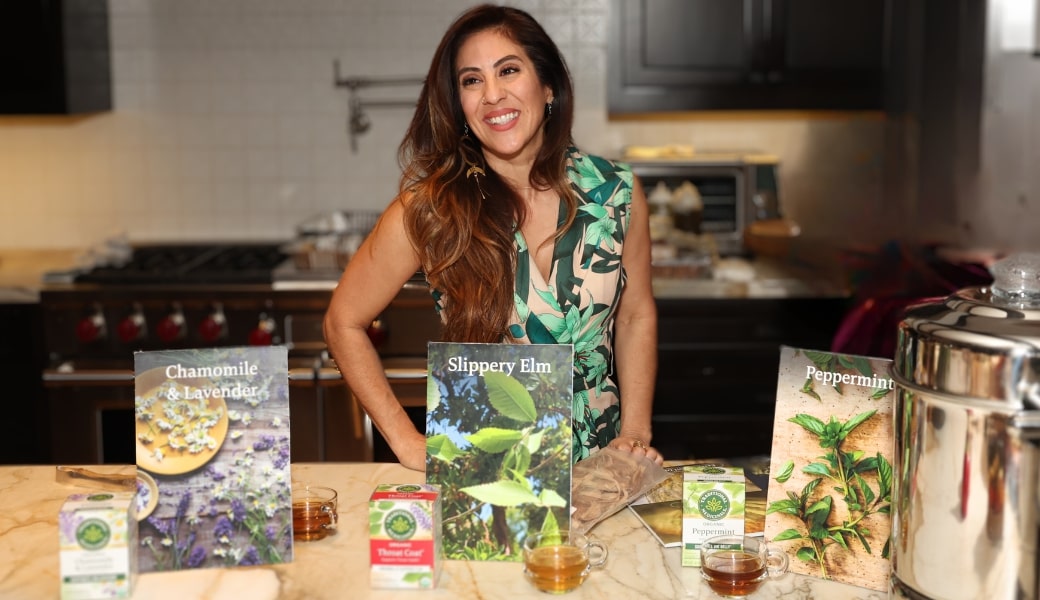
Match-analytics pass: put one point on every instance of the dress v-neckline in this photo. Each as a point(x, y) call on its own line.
point(543, 278)
point(532, 258)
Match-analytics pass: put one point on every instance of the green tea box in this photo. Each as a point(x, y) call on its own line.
point(713, 500)
point(97, 534)
point(404, 522)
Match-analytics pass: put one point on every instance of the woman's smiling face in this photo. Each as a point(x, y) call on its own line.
point(502, 98)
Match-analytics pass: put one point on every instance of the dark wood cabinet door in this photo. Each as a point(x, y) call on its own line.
point(717, 358)
point(22, 357)
point(675, 55)
point(825, 54)
point(306, 423)
point(823, 36)
point(688, 42)
point(54, 57)
point(671, 55)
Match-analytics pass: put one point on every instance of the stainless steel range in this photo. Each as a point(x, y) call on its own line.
point(169, 296)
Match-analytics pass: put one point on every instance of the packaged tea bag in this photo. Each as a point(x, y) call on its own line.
point(97, 535)
point(713, 504)
point(405, 536)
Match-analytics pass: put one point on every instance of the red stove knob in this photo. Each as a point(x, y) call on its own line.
point(171, 327)
point(214, 326)
point(131, 328)
point(91, 328)
point(377, 332)
point(263, 333)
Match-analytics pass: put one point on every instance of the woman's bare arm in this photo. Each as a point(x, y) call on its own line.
point(374, 275)
point(635, 334)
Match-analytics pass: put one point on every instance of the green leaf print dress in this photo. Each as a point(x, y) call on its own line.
point(578, 304)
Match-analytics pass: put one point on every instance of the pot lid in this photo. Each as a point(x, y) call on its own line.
point(979, 343)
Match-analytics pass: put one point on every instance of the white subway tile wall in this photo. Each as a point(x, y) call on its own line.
point(227, 124)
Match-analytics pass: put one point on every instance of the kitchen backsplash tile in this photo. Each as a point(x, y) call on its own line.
point(227, 124)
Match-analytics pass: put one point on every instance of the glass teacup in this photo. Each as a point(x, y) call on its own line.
point(736, 565)
point(559, 562)
point(314, 511)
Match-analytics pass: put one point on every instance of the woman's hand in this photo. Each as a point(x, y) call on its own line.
point(636, 445)
point(412, 453)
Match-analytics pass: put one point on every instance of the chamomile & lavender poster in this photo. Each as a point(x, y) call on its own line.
point(212, 449)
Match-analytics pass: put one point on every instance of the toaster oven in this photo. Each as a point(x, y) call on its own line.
point(736, 189)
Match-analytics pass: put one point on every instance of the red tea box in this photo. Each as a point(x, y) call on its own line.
point(405, 536)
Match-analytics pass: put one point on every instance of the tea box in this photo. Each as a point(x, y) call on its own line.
point(713, 500)
point(405, 536)
point(97, 535)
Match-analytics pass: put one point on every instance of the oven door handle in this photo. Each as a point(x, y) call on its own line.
point(86, 375)
point(326, 373)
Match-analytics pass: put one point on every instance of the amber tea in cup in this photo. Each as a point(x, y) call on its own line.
point(558, 563)
point(735, 566)
point(313, 512)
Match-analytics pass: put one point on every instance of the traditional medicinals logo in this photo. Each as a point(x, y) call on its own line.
point(93, 534)
point(408, 488)
point(713, 470)
point(713, 505)
point(400, 524)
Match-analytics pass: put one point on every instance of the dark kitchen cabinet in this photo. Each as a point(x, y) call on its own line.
point(54, 57)
point(91, 422)
point(21, 366)
point(718, 360)
point(675, 55)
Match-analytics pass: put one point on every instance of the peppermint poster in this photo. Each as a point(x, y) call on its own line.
point(830, 473)
point(212, 450)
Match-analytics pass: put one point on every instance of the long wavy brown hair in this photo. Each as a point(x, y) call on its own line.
point(463, 226)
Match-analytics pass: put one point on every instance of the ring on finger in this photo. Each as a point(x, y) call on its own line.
point(639, 444)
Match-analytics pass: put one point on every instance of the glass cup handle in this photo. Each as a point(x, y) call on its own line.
point(776, 561)
point(325, 508)
point(597, 552)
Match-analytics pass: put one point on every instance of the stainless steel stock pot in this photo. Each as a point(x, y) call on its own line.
point(966, 503)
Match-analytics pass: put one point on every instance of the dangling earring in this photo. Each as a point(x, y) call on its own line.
point(465, 130)
point(476, 173)
point(548, 109)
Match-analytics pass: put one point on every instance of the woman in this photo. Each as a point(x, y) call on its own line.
point(492, 192)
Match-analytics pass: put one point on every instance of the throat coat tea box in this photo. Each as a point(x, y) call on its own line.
point(713, 500)
point(97, 535)
point(405, 536)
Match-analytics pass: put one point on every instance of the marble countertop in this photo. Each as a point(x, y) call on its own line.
point(337, 567)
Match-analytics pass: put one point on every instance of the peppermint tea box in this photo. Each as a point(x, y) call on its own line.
point(97, 536)
point(405, 536)
point(713, 500)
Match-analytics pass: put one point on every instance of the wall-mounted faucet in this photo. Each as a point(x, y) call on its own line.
point(358, 122)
